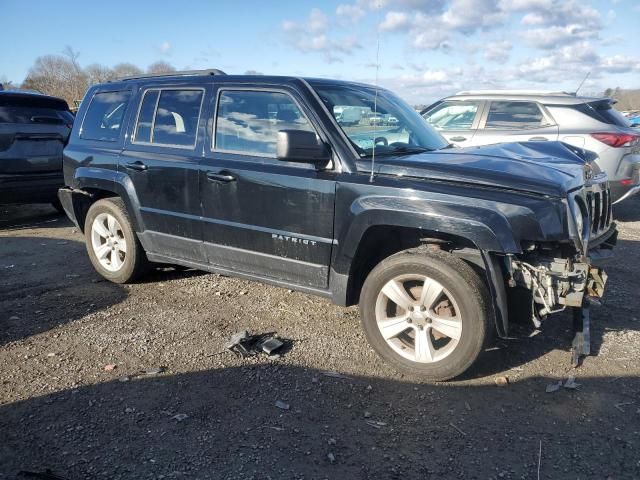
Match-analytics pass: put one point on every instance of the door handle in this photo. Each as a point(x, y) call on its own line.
point(538, 139)
point(137, 165)
point(458, 139)
point(220, 177)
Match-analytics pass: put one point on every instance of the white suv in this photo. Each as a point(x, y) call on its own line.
point(485, 117)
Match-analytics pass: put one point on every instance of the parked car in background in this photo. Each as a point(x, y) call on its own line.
point(430, 241)
point(33, 131)
point(493, 116)
point(376, 119)
point(634, 120)
point(346, 115)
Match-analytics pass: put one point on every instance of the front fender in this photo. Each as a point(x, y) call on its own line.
point(487, 228)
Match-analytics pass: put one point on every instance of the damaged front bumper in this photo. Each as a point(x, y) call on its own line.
point(557, 282)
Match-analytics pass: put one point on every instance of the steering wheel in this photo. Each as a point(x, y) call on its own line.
point(381, 140)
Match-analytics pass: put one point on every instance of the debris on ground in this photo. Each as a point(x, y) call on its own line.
point(620, 405)
point(502, 381)
point(375, 424)
point(154, 371)
point(110, 367)
point(180, 417)
point(282, 405)
point(458, 429)
point(571, 383)
point(331, 457)
point(246, 345)
point(553, 387)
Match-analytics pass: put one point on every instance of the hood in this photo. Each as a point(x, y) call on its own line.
point(545, 168)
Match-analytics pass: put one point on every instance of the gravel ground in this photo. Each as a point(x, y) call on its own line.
point(212, 415)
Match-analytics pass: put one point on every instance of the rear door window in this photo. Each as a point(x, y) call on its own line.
point(453, 115)
point(169, 117)
point(249, 121)
point(514, 116)
point(104, 117)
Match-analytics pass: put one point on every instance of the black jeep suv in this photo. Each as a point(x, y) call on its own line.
point(33, 131)
point(253, 176)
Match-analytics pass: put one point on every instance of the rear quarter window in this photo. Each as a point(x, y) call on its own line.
point(604, 111)
point(104, 117)
point(514, 115)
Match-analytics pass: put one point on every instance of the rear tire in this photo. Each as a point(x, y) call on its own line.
point(426, 313)
point(112, 244)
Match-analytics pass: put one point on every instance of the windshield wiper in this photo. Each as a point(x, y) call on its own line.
point(409, 150)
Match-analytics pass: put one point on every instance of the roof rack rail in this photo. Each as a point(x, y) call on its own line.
point(210, 71)
point(517, 92)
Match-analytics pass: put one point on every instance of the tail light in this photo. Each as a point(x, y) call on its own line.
point(616, 140)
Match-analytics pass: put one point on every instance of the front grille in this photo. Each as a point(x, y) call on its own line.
point(598, 199)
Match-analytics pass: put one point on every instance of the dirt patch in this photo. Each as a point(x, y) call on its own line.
point(210, 414)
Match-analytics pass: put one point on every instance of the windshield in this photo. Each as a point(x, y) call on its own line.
point(384, 122)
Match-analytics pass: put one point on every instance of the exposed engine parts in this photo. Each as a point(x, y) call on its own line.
point(555, 283)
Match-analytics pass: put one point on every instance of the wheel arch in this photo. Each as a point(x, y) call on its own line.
point(91, 185)
point(469, 238)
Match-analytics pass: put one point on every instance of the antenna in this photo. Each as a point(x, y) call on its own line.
point(582, 83)
point(375, 104)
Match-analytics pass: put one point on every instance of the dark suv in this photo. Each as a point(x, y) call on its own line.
point(33, 131)
point(253, 176)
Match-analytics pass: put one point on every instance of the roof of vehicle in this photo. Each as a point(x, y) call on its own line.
point(197, 76)
point(34, 98)
point(544, 97)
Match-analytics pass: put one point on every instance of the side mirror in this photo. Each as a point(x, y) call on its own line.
point(301, 146)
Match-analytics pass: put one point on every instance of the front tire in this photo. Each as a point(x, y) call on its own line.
point(112, 245)
point(426, 313)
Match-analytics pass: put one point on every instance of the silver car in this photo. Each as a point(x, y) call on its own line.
point(485, 117)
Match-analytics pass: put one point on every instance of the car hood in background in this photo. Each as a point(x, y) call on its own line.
point(545, 168)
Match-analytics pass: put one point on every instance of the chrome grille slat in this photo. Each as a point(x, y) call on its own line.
point(598, 200)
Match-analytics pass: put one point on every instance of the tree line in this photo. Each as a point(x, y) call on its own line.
point(63, 76)
point(626, 99)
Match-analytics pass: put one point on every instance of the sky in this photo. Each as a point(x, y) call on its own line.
point(423, 49)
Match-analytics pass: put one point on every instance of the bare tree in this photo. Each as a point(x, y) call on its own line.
point(6, 84)
point(126, 70)
point(97, 73)
point(58, 76)
point(160, 67)
point(63, 76)
point(626, 99)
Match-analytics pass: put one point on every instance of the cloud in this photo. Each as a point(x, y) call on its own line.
point(312, 36)
point(394, 21)
point(164, 48)
point(350, 13)
point(574, 62)
point(498, 51)
point(619, 64)
point(318, 21)
point(564, 13)
point(554, 36)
